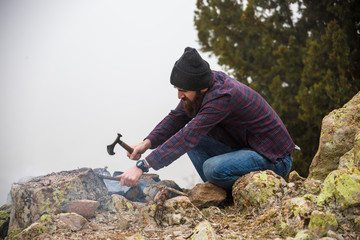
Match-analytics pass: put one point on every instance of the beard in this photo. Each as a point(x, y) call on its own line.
point(192, 108)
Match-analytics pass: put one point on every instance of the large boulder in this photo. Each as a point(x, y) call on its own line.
point(51, 194)
point(340, 135)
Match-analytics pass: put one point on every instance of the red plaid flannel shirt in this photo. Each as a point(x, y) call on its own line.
point(231, 112)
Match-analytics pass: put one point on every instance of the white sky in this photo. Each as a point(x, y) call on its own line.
point(74, 73)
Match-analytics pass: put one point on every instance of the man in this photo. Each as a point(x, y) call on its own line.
point(227, 129)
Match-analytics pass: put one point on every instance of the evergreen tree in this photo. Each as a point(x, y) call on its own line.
point(303, 69)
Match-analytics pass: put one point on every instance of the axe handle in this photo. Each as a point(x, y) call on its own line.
point(127, 147)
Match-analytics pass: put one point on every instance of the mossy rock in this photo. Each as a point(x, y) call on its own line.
point(259, 189)
point(181, 211)
point(338, 136)
point(321, 223)
point(4, 220)
point(341, 189)
point(295, 212)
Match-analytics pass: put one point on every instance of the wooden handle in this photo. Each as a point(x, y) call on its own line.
point(127, 147)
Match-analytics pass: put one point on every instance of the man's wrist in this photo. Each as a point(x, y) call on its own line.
point(147, 143)
point(143, 165)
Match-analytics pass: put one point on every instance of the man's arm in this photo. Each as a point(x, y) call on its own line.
point(170, 125)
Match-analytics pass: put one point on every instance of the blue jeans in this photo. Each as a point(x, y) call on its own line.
point(222, 165)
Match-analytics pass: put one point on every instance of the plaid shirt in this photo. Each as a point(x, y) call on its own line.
point(232, 113)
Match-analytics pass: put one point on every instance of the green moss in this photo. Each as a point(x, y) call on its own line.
point(322, 222)
point(283, 224)
point(153, 207)
point(13, 234)
point(4, 215)
point(302, 235)
point(45, 217)
point(129, 205)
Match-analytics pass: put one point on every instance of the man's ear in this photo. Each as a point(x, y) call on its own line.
point(204, 90)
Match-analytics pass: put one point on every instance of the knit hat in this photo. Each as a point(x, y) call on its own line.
point(191, 72)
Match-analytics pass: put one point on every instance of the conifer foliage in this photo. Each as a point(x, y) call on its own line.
point(303, 56)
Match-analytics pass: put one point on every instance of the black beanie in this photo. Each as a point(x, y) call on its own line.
point(191, 72)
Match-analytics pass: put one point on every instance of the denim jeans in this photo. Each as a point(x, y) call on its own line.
point(222, 165)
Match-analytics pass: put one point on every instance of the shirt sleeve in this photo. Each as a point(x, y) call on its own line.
point(211, 113)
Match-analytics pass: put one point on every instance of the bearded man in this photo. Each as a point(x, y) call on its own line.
point(226, 128)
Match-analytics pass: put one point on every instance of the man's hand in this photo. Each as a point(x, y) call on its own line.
point(139, 149)
point(130, 177)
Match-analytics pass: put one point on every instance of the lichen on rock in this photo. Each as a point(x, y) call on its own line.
point(321, 222)
point(341, 189)
point(259, 189)
point(338, 136)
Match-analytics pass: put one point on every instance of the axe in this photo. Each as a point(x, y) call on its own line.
point(110, 148)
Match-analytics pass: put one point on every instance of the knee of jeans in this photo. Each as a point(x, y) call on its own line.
point(211, 172)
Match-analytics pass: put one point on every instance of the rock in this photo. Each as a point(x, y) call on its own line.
point(351, 159)
point(341, 189)
point(302, 235)
point(180, 210)
point(85, 208)
point(73, 221)
point(339, 132)
point(259, 189)
point(51, 194)
point(4, 220)
point(312, 186)
point(120, 205)
point(206, 194)
point(295, 212)
point(321, 223)
point(334, 235)
point(294, 177)
point(203, 230)
point(36, 229)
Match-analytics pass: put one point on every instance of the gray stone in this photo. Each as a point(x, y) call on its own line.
point(51, 194)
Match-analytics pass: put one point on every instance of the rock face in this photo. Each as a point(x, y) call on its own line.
point(51, 194)
point(339, 139)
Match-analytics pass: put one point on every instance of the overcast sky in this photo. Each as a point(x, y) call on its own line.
point(75, 73)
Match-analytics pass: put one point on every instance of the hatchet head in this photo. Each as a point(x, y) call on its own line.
point(110, 148)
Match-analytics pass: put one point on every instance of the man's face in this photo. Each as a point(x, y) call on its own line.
point(192, 100)
point(186, 95)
